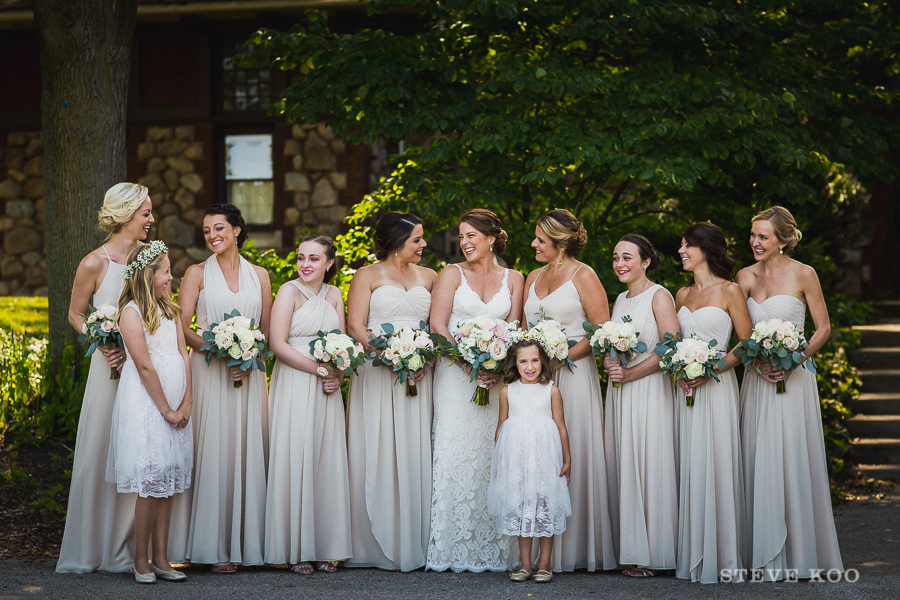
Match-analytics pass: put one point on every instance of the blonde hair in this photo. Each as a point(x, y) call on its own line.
point(564, 230)
point(139, 287)
point(119, 205)
point(784, 225)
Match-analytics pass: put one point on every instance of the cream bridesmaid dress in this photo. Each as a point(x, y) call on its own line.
point(640, 449)
point(308, 502)
point(223, 519)
point(587, 542)
point(788, 497)
point(710, 479)
point(389, 445)
point(99, 533)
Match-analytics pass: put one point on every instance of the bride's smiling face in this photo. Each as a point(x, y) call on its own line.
point(473, 243)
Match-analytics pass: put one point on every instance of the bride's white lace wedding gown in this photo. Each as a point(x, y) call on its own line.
point(464, 536)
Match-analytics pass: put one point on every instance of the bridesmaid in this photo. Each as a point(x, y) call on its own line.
point(308, 504)
point(389, 434)
point(99, 533)
point(788, 500)
point(640, 421)
point(710, 482)
point(570, 292)
point(225, 518)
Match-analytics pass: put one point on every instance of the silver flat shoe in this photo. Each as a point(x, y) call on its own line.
point(172, 575)
point(144, 578)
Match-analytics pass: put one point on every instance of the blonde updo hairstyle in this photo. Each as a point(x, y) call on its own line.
point(784, 225)
point(139, 287)
point(120, 204)
point(487, 224)
point(564, 230)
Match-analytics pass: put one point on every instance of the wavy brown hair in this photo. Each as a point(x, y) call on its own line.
point(711, 240)
point(139, 287)
point(511, 371)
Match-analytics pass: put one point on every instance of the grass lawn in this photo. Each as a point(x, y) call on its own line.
point(22, 313)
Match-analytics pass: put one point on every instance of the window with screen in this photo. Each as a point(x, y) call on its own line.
point(248, 176)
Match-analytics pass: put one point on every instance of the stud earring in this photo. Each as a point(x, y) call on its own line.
point(781, 251)
point(395, 254)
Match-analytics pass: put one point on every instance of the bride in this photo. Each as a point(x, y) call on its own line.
point(463, 534)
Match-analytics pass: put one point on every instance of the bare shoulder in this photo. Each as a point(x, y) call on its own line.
point(682, 293)
point(586, 274)
point(732, 292)
point(427, 273)
point(450, 275)
point(333, 294)
point(193, 276)
point(804, 272)
point(746, 275)
point(662, 296)
point(260, 272)
point(516, 277)
point(93, 263)
point(532, 276)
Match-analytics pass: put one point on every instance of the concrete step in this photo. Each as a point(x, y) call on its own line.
point(887, 308)
point(876, 357)
point(877, 471)
point(874, 426)
point(880, 381)
point(884, 333)
point(877, 451)
point(876, 404)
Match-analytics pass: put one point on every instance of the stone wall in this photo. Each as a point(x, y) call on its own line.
point(23, 267)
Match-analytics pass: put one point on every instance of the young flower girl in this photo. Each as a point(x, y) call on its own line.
point(151, 443)
point(528, 495)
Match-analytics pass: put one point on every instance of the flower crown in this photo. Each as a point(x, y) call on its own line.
point(146, 256)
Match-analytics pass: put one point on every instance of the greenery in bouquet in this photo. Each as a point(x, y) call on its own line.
point(239, 341)
point(101, 328)
point(779, 343)
point(483, 343)
point(407, 350)
point(689, 358)
point(619, 340)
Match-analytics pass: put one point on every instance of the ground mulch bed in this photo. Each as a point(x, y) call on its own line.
point(34, 487)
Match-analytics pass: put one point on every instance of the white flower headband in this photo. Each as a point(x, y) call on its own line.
point(144, 258)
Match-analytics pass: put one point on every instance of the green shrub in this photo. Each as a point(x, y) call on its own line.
point(838, 383)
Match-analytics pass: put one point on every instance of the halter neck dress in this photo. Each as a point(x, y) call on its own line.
point(640, 448)
point(99, 532)
point(308, 502)
point(389, 448)
point(225, 521)
point(788, 497)
point(710, 478)
point(463, 534)
point(587, 542)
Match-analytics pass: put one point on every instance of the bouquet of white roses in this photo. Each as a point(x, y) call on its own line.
point(483, 342)
point(549, 333)
point(777, 342)
point(239, 340)
point(338, 349)
point(407, 350)
point(101, 329)
point(620, 340)
point(689, 359)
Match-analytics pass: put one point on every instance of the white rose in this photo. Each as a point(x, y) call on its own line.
point(223, 341)
point(416, 362)
point(423, 341)
point(406, 348)
point(497, 350)
point(483, 344)
point(326, 357)
point(258, 335)
point(234, 352)
point(702, 356)
point(318, 353)
point(84, 328)
point(321, 371)
point(562, 352)
point(792, 344)
point(407, 334)
point(242, 322)
point(490, 364)
point(694, 370)
point(245, 346)
point(622, 345)
point(767, 344)
point(247, 355)
point(245, 335)
point(254, 352)
point(388, 354)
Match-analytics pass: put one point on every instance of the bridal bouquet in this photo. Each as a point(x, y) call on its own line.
point(689, 358)
point(100, 329)
point(483, 343)
point(550, 334)
point(338, 349)
point(777, 342)
point(239, 340)
point(620, 340)
point(407, 350)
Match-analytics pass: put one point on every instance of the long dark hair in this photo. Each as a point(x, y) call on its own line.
point(392, 231)
point(234, 217)
point(711, 240)
point(511, 371)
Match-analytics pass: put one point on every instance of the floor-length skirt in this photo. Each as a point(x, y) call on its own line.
point(226, 514)
point(99, 533)
point(640, 460)
point(789, 520)
point(308, 502)
point(389, 448)
point(587, 542)
point(710, 483)
point(464, 536)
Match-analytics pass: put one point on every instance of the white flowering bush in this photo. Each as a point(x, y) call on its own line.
point(777, 342)
point(619, 340)
point(338, 349)
point(101, 328)
point(239, 341)
point(483, 343)
point(689, 358)
point(406, 351)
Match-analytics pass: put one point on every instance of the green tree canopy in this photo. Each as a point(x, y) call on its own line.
point(639, 115)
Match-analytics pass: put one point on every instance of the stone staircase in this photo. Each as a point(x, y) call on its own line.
point(875, 426)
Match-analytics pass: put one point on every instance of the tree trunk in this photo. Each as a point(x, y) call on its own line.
point(85, 60)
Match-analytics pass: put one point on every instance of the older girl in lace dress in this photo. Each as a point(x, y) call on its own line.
point(151, 446)
point(528, 495)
